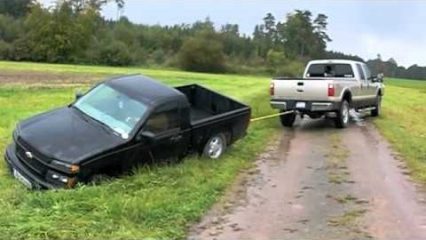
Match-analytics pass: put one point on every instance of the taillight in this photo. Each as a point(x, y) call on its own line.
point(272, 89)
point(331, 90)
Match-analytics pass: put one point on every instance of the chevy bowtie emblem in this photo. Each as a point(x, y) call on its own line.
point(29, 155)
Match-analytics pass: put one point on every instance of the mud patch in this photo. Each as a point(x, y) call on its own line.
point(323, 183)
point(396, 210)
point(354, 209)
point(43, 78)
point(299, 189)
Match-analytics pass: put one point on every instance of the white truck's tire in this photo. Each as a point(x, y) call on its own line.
point(342, 119)
point(287, 120)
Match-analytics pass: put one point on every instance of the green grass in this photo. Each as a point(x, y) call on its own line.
point(403, 122)
point(157, 201)
point(161, 201)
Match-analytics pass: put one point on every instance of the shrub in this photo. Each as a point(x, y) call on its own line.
point(292, 68)
point(202, 53)
point(4, 50)
point(114, 54)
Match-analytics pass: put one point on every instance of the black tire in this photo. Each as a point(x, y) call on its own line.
point(287, 120)
point(342, 119)
point(378, 107)
point(215, 146)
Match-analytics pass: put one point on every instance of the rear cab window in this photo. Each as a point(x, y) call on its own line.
point(338, 70)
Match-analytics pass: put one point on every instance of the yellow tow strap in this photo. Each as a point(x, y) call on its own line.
point(271, 116)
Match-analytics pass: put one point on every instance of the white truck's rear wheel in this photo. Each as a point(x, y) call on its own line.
point(287, 120)
point(342, 118)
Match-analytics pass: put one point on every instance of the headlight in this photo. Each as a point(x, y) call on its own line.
point(58, 177)
point(65, 167)
point(67, 181)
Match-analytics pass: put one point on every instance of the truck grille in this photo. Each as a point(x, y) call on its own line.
point(35, 164)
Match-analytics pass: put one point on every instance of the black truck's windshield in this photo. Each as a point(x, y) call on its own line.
point(112, 108)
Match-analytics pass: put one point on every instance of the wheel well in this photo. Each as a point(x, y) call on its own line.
point(379, 93)
point(347, 96)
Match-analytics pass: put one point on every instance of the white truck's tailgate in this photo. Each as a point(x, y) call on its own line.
point(306, 89)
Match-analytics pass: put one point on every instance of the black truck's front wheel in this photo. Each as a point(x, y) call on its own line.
point(215, 146)
point(287, 120)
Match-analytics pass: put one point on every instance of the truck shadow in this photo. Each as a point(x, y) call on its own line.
point(326, 124)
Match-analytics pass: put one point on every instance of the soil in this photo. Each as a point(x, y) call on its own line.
point(35, 77)
point(317, 182)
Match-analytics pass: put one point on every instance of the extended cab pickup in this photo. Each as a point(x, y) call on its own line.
point(329, 87)
point(120, 123)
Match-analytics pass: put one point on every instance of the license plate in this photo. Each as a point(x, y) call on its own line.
point(300, 105)
point(22, 179)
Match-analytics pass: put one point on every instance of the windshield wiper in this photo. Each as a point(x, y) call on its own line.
point(82, 114)
point(104, 126)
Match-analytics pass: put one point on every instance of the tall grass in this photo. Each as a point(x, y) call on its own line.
point(156, 201)
point(403, 122)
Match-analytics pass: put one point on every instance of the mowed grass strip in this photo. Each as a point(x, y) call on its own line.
point(403, 122)
point(157, 201)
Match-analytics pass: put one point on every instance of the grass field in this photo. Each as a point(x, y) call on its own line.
point(158, 201)
point(403, 122)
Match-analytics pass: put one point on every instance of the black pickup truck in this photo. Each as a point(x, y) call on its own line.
point(118, 124)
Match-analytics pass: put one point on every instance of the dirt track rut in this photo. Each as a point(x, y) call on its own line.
point(317, 182)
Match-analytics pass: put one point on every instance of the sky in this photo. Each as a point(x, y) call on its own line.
point(364, 28)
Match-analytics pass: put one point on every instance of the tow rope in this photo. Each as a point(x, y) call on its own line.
point(271, 116)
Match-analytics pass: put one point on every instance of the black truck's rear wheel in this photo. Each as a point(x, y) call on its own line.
point(377, 108)
point(215, 146)
point(342, 118)
point(287, 120)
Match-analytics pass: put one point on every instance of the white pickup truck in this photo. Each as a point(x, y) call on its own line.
point(328, 87)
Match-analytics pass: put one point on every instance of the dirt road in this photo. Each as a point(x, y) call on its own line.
point(317, 182)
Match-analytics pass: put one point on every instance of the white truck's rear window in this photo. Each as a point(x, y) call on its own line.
point(330, 70)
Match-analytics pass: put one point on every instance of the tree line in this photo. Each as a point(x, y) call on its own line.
point(73, 31)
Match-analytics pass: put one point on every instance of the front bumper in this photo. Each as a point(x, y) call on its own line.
point(309, 106)
point(14, 164)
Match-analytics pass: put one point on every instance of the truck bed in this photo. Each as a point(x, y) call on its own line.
point(211, 112)
point(209, 105)
point(198, 114)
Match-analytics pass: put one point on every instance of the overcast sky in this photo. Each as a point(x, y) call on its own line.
point(365, 28)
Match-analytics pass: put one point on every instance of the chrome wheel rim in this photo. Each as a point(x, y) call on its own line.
point(345, 113)
point(215, 147)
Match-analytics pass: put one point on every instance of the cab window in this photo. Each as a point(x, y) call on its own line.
point(367, 72)
point(163, 121)
point(360, 71)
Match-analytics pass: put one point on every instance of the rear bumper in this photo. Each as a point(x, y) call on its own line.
point(14, 164)
point(310, 106)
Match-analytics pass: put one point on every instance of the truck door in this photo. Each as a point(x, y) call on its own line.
point(371, 88)
point(363, 91)
point(165, 126)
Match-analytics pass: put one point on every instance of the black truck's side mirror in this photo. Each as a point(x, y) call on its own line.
point(78, 95)
point(147, 136)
